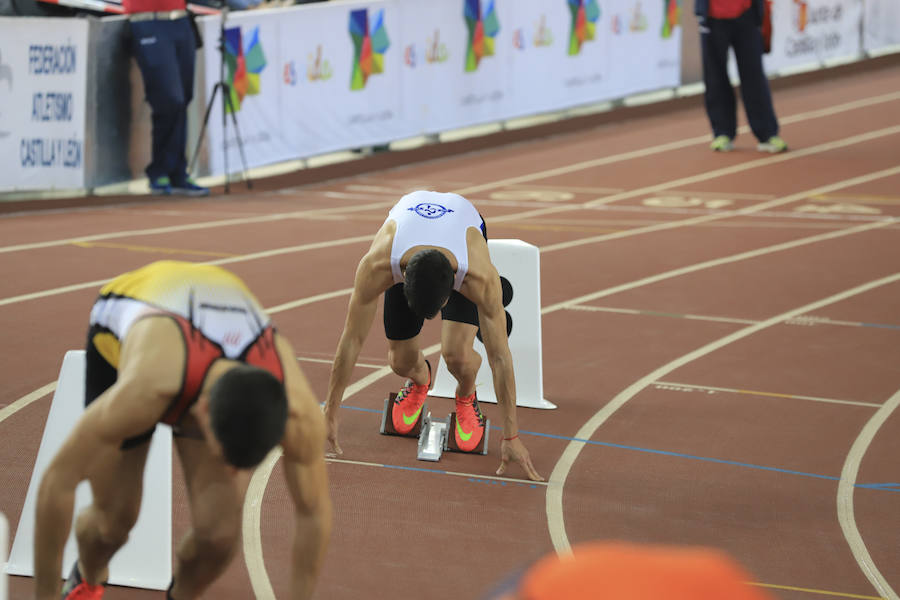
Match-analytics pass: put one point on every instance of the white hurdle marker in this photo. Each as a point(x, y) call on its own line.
point(520, 264)
point(146, 559)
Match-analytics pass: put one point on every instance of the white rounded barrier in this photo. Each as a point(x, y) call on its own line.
point(145, 561)
point(519, 266)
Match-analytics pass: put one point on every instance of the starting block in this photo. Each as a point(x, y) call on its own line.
point(435, 435)
point(451, 439)
point(433, 438)
point(387, 424)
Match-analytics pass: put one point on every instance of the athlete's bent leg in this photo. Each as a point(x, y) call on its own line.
point(103, 527)
point(216, 496)
point(406, 360)
point(463, 362)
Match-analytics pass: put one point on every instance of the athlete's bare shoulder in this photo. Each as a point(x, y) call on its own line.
point(481, 272)
point(153, 353)
point(373, 275)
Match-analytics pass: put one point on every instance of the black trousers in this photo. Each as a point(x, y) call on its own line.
point(165, 52)
point(743, 35)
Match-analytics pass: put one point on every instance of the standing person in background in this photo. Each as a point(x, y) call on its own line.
point(164, 43)
point(736, 24)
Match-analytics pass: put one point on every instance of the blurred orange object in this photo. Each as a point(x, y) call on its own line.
point(624, 571)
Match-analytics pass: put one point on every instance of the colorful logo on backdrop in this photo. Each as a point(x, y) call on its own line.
point(318, 68)
point(801, 15)
point(483, 26)
point(638, 21)
point(245, 60)
point(370, 42)
point(671, 17)
point(435, 51)
point(543, 35)
point(585, 14)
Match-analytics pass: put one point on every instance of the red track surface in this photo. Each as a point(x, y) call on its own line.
point(722, 397)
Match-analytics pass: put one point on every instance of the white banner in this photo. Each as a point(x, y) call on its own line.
point(341, 75)
point(646, 44)
point(808, 32)
point(881, 26)
point(455, 62)
point(251, 59)
point(564, 55)
point(43, 82)
point(342, 79)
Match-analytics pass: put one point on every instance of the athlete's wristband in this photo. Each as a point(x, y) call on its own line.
point(509, 439)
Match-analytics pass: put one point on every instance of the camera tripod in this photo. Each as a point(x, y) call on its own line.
point(227, 107)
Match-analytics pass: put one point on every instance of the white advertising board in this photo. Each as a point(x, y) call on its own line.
point(43, 82)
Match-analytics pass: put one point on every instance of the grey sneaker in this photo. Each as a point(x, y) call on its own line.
point(722, 143)
point(773, 145)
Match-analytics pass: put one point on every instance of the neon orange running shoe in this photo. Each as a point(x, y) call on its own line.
point(76, 588)
point(407, 407)
point(469, 423)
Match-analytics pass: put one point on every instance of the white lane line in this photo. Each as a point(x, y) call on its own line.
point(299, 214)
point(603, 202)
point(759, 162)
point(715, 263)
point(845, 498)
point(690, 387)
point(554, 505)
point(656, 313)
point(224, 261)
point(14, 407)
point(644, 152)
point(328, 361)
point(363, 463)
point(890, 172)
point(309, 300)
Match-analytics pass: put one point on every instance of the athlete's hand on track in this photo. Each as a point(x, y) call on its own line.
point(332, 449)
point(514, 450)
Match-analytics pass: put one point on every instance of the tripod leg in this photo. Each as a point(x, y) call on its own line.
point(209, 106)
point(237, 133)
point(241, 148)
point(226, 106)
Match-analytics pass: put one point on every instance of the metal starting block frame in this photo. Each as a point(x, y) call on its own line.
point(434, 434)
point(433, 438)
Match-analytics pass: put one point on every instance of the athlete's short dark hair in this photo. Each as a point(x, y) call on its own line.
point(248, 411)
point(428, 282)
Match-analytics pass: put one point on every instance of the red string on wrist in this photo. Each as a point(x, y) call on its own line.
point(509, 439)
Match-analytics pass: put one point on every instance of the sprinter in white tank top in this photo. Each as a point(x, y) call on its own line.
point(430, 256)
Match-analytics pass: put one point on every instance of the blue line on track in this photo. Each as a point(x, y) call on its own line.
point(887, 487)
point(880, 325)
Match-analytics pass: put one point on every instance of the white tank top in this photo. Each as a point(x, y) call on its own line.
point(433, 219)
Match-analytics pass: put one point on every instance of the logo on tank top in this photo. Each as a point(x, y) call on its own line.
point(430, 210)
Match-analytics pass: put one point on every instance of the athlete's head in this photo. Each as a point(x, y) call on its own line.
point(428, 283)
point(247, 413)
